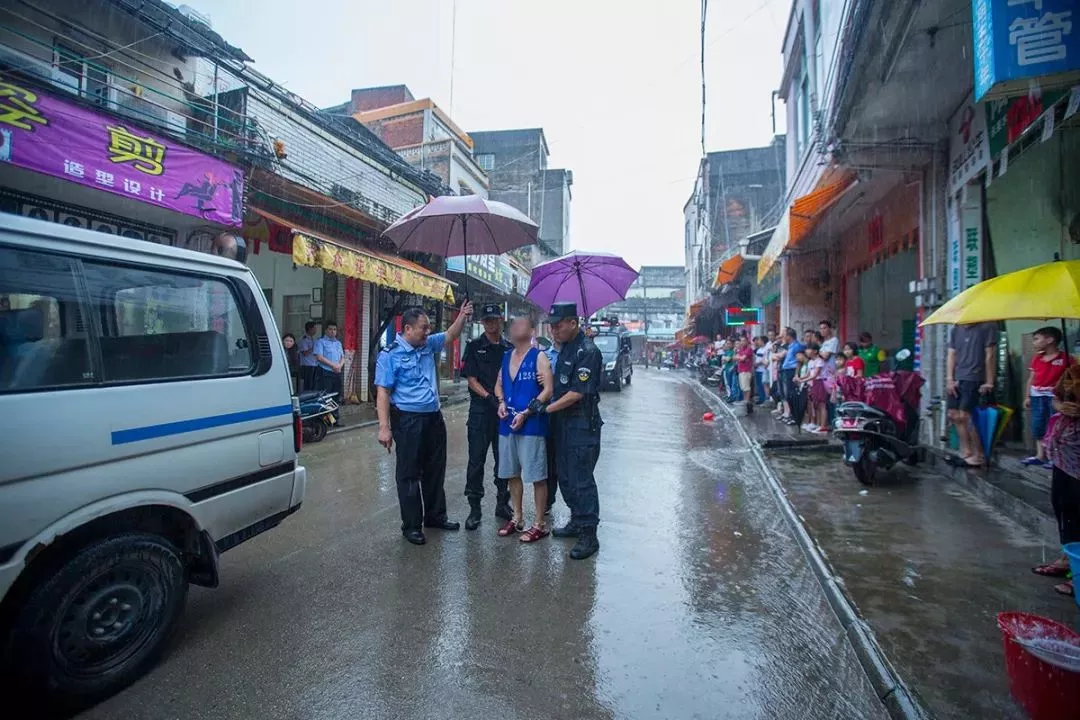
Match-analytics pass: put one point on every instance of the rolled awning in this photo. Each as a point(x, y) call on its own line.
point(313, 249)
point(369, 265)
point(804, 215)
point(729, 270)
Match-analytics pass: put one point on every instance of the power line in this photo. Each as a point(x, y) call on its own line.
point(704, 15)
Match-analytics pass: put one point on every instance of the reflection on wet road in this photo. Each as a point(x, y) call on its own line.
point(699, 604)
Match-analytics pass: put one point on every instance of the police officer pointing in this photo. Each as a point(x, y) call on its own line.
point(483, 361)
point(409, 414)
point(577, 429)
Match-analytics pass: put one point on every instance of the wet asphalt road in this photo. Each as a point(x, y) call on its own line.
point(699, 604)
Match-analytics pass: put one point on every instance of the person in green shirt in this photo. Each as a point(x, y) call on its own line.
point(871, 354)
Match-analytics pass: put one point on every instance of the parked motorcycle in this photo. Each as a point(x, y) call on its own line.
point(317, 408)
point(879, 424)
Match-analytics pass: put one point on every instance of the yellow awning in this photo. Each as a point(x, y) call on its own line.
point(803, 216)
point(729, 270)
point(369, 265)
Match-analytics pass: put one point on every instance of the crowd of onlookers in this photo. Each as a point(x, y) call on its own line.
point(797, 375)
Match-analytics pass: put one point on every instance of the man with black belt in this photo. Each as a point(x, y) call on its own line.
point(409, 414)
point(577, 427)
point(483, 361)
point(331, 358)
point(552, 353)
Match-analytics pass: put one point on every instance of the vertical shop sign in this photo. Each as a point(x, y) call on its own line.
point(955, 253)
point(971, 227)
point(969, 144)
point(1017, 39)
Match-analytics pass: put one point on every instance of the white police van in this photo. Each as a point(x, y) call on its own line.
point(148, 425)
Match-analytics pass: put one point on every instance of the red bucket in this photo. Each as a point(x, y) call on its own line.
point(1046, 692)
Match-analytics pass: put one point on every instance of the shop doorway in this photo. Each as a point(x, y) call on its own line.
point(886, 308)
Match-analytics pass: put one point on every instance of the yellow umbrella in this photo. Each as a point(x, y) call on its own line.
point(1036, 293)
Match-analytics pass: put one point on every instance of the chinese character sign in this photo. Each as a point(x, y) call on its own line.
point(1016, 39)
point(65, 140)
point(969, 144)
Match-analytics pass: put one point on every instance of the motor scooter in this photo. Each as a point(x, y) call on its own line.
point(880, 427)
point(317, 409)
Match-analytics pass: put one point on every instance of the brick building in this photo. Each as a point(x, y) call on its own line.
point(517, 165)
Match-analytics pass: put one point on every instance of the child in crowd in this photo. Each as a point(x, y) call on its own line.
point(810, 385)
point(1046, 369)
point(1062, 445)
point(854, 366)
point(839, 370)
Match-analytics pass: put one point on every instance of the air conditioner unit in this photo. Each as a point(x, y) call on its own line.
point(148, 112)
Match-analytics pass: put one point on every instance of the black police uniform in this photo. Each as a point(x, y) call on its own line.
point(483, 361)
point(577, 431)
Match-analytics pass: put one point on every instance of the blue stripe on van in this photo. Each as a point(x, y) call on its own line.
point(149, 432)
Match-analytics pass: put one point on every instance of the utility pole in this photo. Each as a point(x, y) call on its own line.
point(645, 313)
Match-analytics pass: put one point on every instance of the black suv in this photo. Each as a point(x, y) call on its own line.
point(614, 344)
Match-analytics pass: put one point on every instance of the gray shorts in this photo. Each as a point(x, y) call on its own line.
point(523, 456)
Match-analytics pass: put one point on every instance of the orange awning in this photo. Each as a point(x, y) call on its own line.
point(804, 215)
point(808, 210)
point(729, 270)
point(695, 308)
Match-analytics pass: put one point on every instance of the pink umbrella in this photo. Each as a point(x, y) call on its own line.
point(452, 225)
point(590, 279)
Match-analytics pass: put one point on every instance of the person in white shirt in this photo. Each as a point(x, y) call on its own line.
point(830, 344)
point(762, 361)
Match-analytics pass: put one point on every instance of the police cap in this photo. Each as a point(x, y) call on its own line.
point(491, 310)
point(562, 311)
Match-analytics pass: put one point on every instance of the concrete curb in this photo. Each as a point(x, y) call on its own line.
point(374, 423)
point(897, 698)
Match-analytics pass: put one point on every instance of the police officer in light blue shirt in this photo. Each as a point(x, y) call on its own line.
point(330, 355)
point(409, 415)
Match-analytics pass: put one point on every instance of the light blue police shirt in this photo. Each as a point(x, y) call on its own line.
point(329, 349)
point(409, 374)
point(552, 356)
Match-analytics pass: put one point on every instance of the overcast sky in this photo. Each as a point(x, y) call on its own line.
point(614, 84)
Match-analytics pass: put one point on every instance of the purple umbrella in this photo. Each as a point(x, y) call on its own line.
point(592, 280)
point(453, 225)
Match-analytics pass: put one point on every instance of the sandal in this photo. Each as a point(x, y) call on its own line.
point(533, 534)
point(1065, 588)
point(510, 528)
point(1051, 570)
point(1032, 461)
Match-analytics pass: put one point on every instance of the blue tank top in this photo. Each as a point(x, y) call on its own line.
point(520, 391)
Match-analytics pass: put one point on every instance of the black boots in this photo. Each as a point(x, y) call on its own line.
point(473, 521)
point(502, 510)
point(587, 544)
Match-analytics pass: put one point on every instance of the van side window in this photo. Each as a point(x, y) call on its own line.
point(160, 325)
point(42, 340)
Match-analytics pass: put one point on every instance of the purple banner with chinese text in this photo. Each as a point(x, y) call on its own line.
point(59, 138)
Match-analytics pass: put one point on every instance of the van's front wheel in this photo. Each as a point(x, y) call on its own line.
point(99, 622)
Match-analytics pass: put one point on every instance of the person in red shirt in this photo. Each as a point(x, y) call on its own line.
point(744, 366)
point(1046, 369)
point(854, 366)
